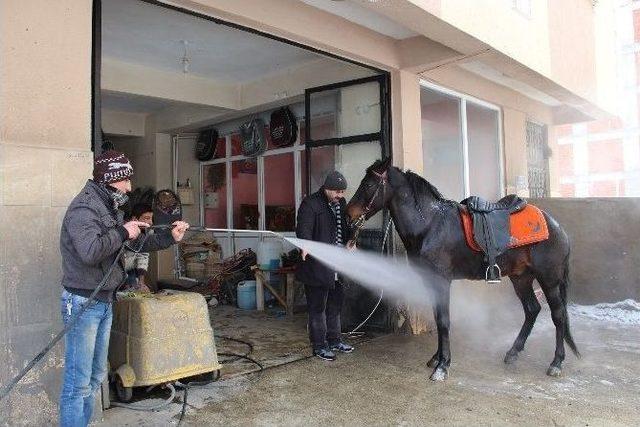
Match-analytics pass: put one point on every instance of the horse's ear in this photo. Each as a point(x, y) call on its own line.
point(384, 165)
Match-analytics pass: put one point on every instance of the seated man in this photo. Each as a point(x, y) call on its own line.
point(136, 264)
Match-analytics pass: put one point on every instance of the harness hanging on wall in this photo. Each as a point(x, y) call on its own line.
point(254, 142)
point(206, 144)
point(283, 127)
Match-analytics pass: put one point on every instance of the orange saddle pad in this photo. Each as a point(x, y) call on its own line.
point(527, 226)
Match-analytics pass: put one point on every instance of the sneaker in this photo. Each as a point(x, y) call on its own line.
point(342, 347)
point(325, 354)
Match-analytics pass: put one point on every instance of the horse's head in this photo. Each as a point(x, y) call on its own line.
point(371, 195)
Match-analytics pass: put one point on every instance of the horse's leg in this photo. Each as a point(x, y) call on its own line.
point(523, 285)
point(551, 289)
point(442, 294)
point(434, 359)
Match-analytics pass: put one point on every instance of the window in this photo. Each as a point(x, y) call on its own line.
point(461, 142)
point(215, 195)
point(346, 111)
point(442, 142)
point(260, 193)
point(244, 188)
point(483, 127)
point(279, 192)
point(347, 133)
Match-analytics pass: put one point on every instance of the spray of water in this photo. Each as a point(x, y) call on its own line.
point(396, 277)
point(476, 308)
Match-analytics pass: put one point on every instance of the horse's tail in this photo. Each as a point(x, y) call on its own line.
point(564, 285)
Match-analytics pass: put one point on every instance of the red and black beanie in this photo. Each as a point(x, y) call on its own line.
point(111, 166)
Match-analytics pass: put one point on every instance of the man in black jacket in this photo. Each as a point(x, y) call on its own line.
point(93, 231)
point(322, 218)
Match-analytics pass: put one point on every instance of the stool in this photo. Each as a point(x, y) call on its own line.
point(288, 273)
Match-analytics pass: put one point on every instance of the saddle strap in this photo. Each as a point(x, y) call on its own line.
point(492, 233)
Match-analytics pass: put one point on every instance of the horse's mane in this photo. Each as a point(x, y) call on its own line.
point(422, 187)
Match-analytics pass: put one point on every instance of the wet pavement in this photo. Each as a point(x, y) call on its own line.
point(385, 382)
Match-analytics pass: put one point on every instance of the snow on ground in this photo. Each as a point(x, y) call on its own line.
point(626, 312)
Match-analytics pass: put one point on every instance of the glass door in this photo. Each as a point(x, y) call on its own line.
point(346, 129)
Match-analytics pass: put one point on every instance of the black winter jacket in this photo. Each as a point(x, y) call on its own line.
point(317, 222)
point(90, 238)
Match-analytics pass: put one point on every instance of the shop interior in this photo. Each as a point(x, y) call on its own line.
point(192, 102)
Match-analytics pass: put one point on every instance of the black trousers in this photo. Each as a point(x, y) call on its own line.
point(324, 306)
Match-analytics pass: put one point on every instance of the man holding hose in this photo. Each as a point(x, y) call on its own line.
point(93, 231)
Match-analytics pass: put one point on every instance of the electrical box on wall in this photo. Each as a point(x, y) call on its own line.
point(186, 196)
point(211, 200)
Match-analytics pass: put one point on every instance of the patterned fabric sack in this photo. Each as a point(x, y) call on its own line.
point(254, 142)
point(283, 127)
point(206, 144)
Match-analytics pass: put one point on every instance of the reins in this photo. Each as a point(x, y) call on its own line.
point(359, 223)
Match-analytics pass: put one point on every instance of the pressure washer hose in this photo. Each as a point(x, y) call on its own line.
point(281, 236)
point(7, 389)
point(191, 384)
point(4, 392)
point(157, 407)
point(384, 241)
point(235, 356)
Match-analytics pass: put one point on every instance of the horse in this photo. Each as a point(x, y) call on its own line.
point(430, 229)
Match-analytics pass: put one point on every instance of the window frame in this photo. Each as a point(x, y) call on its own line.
point(228, 159)
point(464, 99)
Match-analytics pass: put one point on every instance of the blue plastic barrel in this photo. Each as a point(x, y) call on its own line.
point(247, 295)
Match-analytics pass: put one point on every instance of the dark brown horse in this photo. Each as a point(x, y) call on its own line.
point(430, 228)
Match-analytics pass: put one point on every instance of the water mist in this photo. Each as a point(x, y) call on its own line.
point(396, 277)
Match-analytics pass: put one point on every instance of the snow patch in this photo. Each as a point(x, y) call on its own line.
point(626, 312)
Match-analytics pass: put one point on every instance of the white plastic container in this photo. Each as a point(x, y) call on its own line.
point(247, 295)
point(269, 251)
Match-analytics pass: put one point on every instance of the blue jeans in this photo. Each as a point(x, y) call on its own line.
point(85, 358)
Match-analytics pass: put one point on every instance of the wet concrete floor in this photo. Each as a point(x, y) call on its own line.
point(385, 382)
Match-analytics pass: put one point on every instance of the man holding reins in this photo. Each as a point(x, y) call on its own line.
point(322, 218)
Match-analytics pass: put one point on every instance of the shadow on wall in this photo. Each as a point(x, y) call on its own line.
point(605, 247)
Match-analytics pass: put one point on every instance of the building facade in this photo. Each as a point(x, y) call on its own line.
point(470, 84)
point(601, 158)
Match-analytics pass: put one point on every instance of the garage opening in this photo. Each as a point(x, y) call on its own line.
point(242, 126)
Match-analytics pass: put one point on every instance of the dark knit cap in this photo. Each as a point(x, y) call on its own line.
point(335, 181)
point(111, 166)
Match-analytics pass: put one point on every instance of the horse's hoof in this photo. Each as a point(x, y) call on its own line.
point(510, 357)
point(433, 362)
point(439, 374)
point(554, 371)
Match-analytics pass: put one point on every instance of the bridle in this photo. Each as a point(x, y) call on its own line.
point(382, 184)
